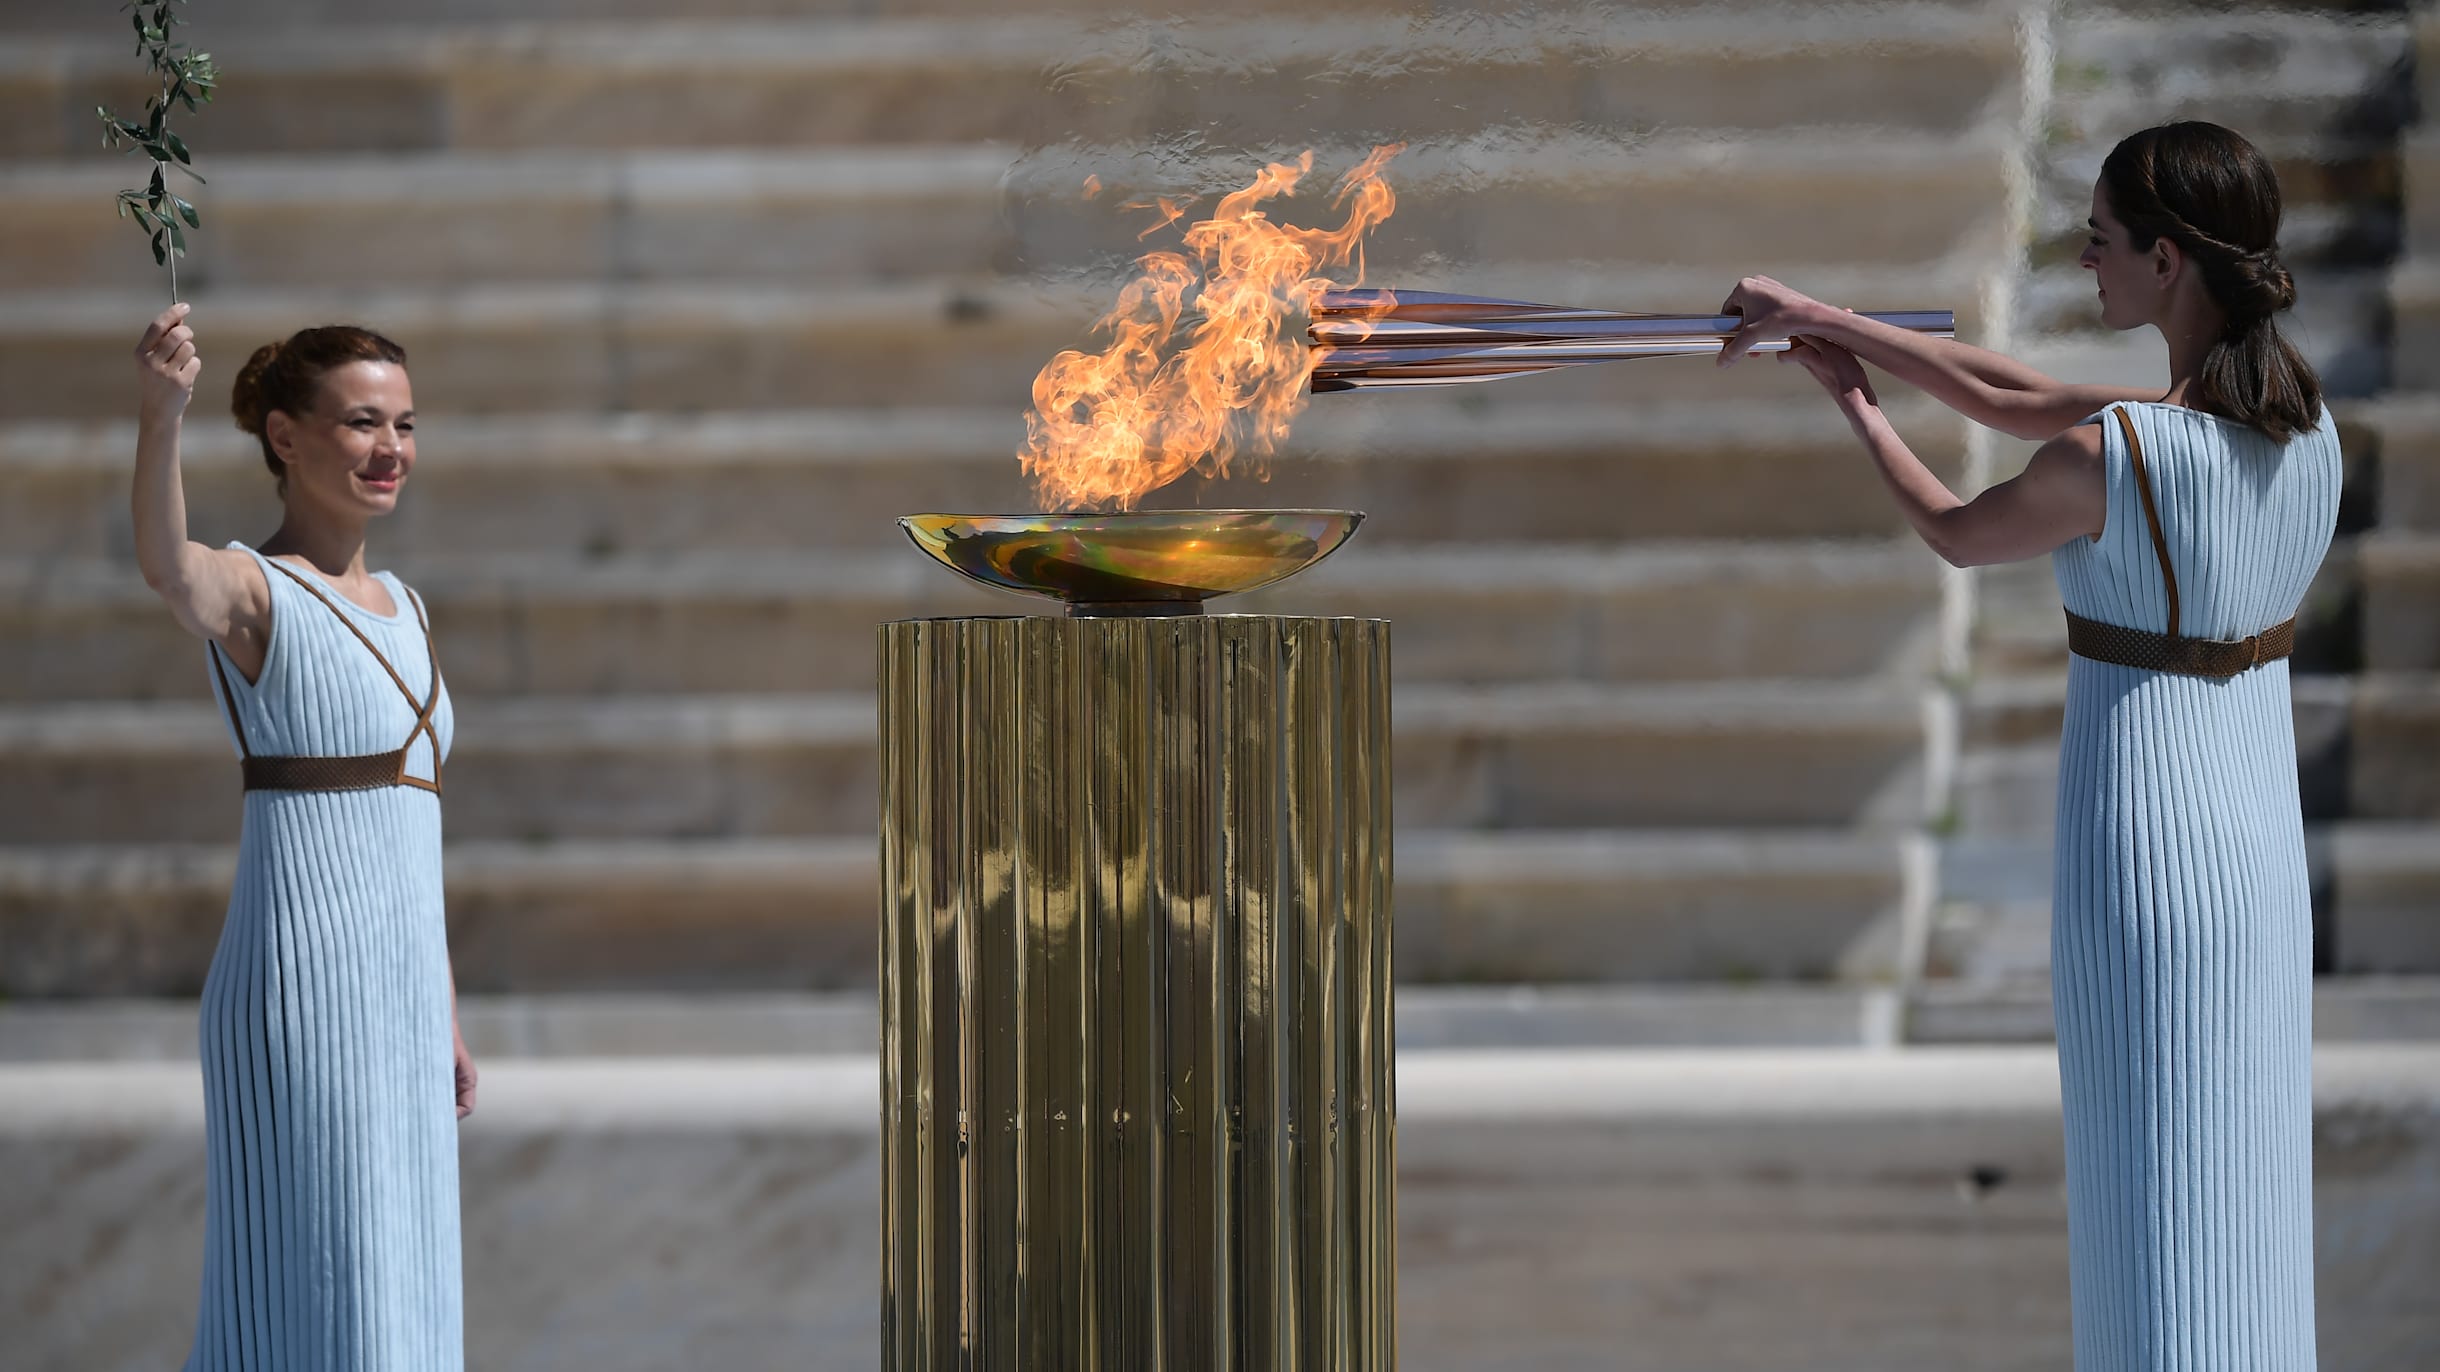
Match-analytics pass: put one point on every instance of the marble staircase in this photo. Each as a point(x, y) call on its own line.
point(1691, 735)
point(697, 307)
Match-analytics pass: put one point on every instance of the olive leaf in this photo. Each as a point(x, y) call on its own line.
point(188, 79)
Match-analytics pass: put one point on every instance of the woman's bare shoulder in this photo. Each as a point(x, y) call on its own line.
point(2079, 447)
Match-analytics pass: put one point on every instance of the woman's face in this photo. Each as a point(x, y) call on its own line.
point(2130, 281)
point(350, 455)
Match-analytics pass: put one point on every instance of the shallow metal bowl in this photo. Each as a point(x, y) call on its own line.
point(1143, 562)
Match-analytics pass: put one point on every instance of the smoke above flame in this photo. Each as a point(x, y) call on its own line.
point(1207, 361)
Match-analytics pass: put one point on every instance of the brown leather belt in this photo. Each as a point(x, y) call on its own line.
point(2211, 657)
point(368, 772)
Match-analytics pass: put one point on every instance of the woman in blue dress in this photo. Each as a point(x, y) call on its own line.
point(2183, 528)
point(333, 1073)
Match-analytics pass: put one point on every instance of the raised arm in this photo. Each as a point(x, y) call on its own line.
point(2061, 495)
point(1993, 390)
point(216, 593)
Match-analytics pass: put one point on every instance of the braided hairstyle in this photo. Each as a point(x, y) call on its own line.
point(2210, 192)
point(287, 376)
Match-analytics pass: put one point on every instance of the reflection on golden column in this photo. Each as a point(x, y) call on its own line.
point(1137, 1104)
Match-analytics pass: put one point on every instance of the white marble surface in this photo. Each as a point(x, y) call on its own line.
point(1823, 1209)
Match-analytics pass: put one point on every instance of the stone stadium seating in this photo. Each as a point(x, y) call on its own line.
point(1691, 734)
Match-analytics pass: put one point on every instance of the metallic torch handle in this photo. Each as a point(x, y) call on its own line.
point(1375, 338)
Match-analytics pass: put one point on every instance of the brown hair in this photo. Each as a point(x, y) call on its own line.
point(2210, 192)
point(287, 376)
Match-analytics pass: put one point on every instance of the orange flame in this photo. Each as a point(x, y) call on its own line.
point(1109, 428)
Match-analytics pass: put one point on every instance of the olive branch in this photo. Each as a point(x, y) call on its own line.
point(187, 79)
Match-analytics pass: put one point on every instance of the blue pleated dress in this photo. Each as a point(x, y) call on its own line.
point(2181, 933)
point(331, 1233)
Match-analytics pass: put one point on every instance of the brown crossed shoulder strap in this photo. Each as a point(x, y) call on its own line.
point(358, 773)
point(2151, 511)
point(2209, 657)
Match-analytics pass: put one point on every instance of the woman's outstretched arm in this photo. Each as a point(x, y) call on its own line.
point(2061, 494)
point(215, 593)
point(1989, 388)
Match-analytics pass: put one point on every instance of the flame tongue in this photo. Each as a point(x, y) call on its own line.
point(1108, 428)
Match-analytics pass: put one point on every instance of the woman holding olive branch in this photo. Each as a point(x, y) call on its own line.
point(333, 1074)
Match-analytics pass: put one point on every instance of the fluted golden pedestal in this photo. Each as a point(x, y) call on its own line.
point(1137, 1107)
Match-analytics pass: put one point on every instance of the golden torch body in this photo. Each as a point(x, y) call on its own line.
point(1137, 1098)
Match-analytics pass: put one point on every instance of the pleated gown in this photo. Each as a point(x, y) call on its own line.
point(331, 1233)
point(2181, 934)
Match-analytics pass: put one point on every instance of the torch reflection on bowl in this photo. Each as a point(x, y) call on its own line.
point(1140, 562)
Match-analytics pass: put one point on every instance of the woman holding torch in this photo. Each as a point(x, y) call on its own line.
point(2183, 528)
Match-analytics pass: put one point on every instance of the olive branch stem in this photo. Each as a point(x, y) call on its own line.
point(187, 80)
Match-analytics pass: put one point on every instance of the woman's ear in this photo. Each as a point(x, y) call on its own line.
point(2168, 262)
point(280, 431)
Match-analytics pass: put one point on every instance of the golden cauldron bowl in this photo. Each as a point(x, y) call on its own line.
point(1140, 562)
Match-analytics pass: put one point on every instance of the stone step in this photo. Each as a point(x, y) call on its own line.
point(748, 1023)
point(2402, 432)
point(864, 214)
point(1684, 198)
point(509, 349)
point(249, 18)
point(656, 1025)
point(2329, 11)
point(2427, 58)
point(84, 920)
point(500, 349)
point(592, 487)
point(1591, 906)
point(2401, 581)
point(1739, 1211)
point(776, 623)
point(452, 219)
point(2395, 757)
point(1714, 755)
point(2414, 295)
point(1253, 82)
point(2269, 72)
point(2419, 160)
point(2386, 896)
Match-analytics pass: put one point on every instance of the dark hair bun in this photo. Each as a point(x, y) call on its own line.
point(250, 396)
point(2259, 285)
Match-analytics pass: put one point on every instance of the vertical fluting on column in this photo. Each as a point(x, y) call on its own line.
point(1137, 1104)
